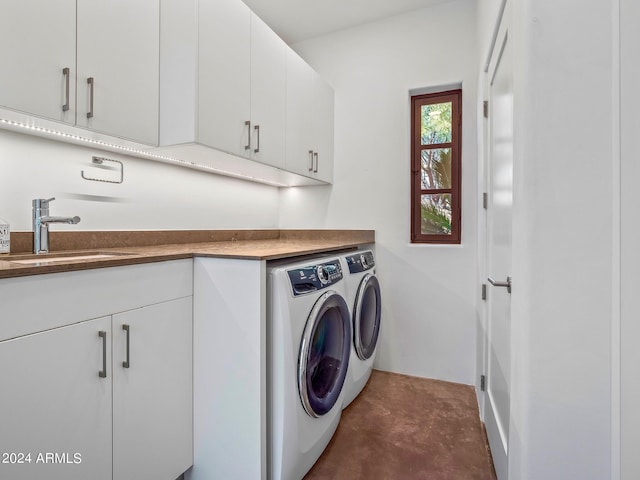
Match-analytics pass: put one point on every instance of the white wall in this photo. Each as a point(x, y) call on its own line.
point(563, 238)
point(428, 292)
point(153, 195)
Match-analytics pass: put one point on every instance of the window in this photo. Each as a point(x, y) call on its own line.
point(435, 167)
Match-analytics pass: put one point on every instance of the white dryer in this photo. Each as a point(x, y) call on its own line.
point(363, 297)
point(309, 338)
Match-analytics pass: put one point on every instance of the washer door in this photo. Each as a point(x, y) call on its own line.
point(324, 354)
point(366, 317)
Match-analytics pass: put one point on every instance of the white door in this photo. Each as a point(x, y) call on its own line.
point(498, 261)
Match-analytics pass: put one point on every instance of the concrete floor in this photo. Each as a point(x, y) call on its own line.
point(403, 427)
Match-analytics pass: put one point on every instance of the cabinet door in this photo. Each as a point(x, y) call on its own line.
point(323, 117)
point(224, 72)
point(39, 41)
point(54, 406)
point(268, 92)
point(118, 47)
point(299, 106)
point(152, 396)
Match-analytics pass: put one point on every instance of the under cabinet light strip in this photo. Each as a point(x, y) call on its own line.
point(137, 152)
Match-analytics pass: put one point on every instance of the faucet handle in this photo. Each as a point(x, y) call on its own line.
point(42, 202)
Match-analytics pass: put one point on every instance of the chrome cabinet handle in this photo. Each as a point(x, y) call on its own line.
point(65, 73)
point(257, 129)
point(126, 363)
point(90, 83)
point(103, 373)
point(506, 284)
point(315, 156)
point(248, 145)
point(311, 157)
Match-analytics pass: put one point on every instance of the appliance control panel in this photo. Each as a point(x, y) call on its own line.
point(315, 277)
point(361, 262)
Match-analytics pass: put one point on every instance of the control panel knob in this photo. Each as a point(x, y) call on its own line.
point(364, 262)
point(323, 274)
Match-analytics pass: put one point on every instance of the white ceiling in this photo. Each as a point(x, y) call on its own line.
point(297, 20)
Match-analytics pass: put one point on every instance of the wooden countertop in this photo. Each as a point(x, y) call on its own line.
point(109, 249)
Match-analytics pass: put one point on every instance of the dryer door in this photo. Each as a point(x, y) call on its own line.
point(366, 317)
point(324, 354)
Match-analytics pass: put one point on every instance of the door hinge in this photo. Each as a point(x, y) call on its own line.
point(483, 383)
point(484, 291)
point(485, 200)
point(485, 108)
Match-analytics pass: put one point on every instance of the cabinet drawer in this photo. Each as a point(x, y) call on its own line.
point(42, 302)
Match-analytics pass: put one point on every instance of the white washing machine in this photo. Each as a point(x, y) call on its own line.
point(363, 296)
point(309, 338)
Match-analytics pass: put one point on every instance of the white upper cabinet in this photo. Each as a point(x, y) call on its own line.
point(323, 128)
point(223, 92)
point(224, 66)
point(51, 49)
point(39, 43)
point(202, 82)
point(310, 123)
point(299, 156)
point(118, 48)
point(241, 104)
point(268, 92)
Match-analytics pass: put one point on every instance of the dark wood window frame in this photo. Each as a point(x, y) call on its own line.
point(417, 101)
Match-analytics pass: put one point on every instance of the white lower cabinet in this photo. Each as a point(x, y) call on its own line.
point(89, 399)
point(55, 411)
point(152, 395)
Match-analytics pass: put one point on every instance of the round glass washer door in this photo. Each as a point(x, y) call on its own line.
point(324, 354)
point(366, 317)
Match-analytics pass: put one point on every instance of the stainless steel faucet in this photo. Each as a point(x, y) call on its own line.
point(41, 221)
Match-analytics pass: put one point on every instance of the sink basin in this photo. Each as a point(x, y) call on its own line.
point(46, 260)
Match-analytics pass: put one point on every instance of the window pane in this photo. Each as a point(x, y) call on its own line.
point(436, 214)
point(436, 123)
point(436, 168)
